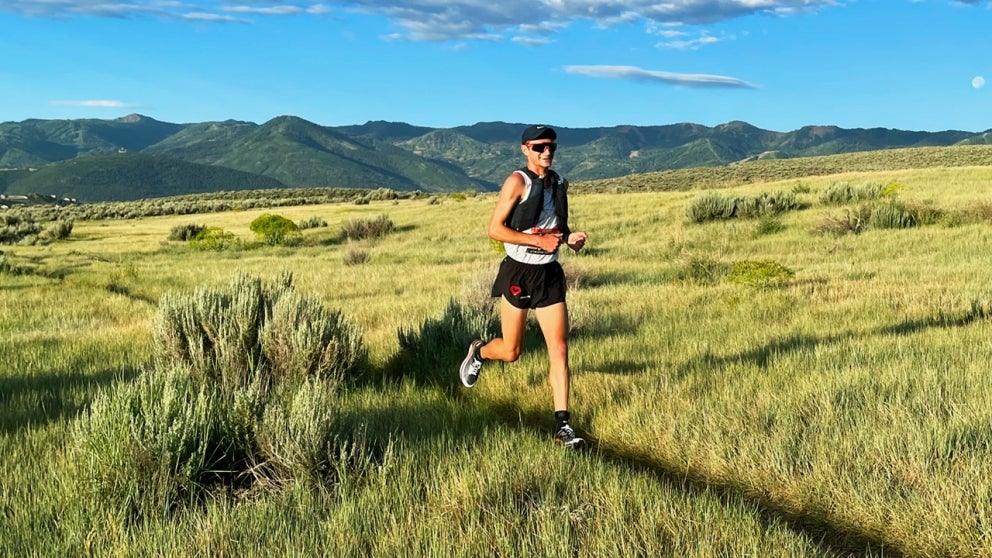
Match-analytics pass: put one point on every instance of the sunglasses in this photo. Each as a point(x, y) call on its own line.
point(541, 147)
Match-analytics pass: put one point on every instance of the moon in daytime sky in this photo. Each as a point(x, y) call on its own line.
point(978, 82)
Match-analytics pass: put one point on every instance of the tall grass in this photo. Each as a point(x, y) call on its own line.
point(841, 409)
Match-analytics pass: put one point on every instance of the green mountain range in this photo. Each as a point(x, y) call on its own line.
point(137, 157)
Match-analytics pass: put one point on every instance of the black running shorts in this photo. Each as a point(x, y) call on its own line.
point(530, 286)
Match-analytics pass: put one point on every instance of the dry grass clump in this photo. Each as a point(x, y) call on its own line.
point(361, 229)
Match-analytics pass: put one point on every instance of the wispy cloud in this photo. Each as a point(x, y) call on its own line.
point(95, 103)
point(443, 20)
point(216, 11)
point(633, 73)
point(432, 20)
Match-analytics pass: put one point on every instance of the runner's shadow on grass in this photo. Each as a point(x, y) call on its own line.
point(839, 539)
point(431, 355)
point(46, 397)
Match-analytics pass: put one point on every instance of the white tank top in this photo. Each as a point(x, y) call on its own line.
point(547, 222)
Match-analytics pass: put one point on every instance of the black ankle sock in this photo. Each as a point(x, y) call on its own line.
point(561, 419)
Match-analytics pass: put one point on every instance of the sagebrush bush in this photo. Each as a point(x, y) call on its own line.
point(296, 433)
point(60, 230)
point(711, 206)
point(714, 206)
point(355, 256)
point(214, 332)
point(148, 446)
point(185, 233)
point(305, 339)
point(766, 204)
point(432, 347)
point(17, 231)
point(360, 229)
point(840, 193)
point(312, 223)
point(243, 390)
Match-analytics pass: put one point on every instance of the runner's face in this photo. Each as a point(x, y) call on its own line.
point(540, 152)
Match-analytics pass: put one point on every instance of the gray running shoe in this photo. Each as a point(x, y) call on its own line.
point(472, 365)
point(566, 437)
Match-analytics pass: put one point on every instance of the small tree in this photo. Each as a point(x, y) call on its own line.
point(275, 229)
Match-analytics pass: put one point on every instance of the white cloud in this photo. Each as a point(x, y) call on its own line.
point(690, 44)
point(95, 103)
point(216, 11)
point(442, 20)
point(632, 73)
point(431, 20)
point(531, 41)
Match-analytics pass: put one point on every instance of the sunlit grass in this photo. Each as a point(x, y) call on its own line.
point(848, 409)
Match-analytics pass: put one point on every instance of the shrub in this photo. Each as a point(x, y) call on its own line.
point(312, 223)
point(296, 432)
point(978, 213)
point(215, 238)
point(61, 229)
point(477, 290)
point(840, 193)
point(7, 267)
point(215, 332)
point(701, 270)
point(185, 233)
point(902, 215)
point(765, 204)
point(360, 229)
point(427, 351)
point(149, 446)
point(304, 339)
point(577, 276)
point(711, 206)
point(356, 256)
point(852, 221)
point(18, 231)
point(243, 390)
point(275, 229)
point(768, 225)
point(714, 206)
point(759, 273)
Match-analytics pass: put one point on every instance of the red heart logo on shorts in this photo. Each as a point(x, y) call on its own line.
point(515, 290)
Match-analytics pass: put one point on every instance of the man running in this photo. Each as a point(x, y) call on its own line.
point(531, 220)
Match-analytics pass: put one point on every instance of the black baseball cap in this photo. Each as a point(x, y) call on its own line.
point(538, 131)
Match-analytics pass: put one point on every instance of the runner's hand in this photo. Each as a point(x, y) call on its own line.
point(549, 242)
point(576, 240)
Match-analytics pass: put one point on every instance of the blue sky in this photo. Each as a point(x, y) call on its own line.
point(779, 65)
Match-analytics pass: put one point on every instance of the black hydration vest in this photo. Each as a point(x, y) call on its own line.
point(524, 215)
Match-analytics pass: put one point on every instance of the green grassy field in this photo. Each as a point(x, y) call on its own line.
point(845, 410)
